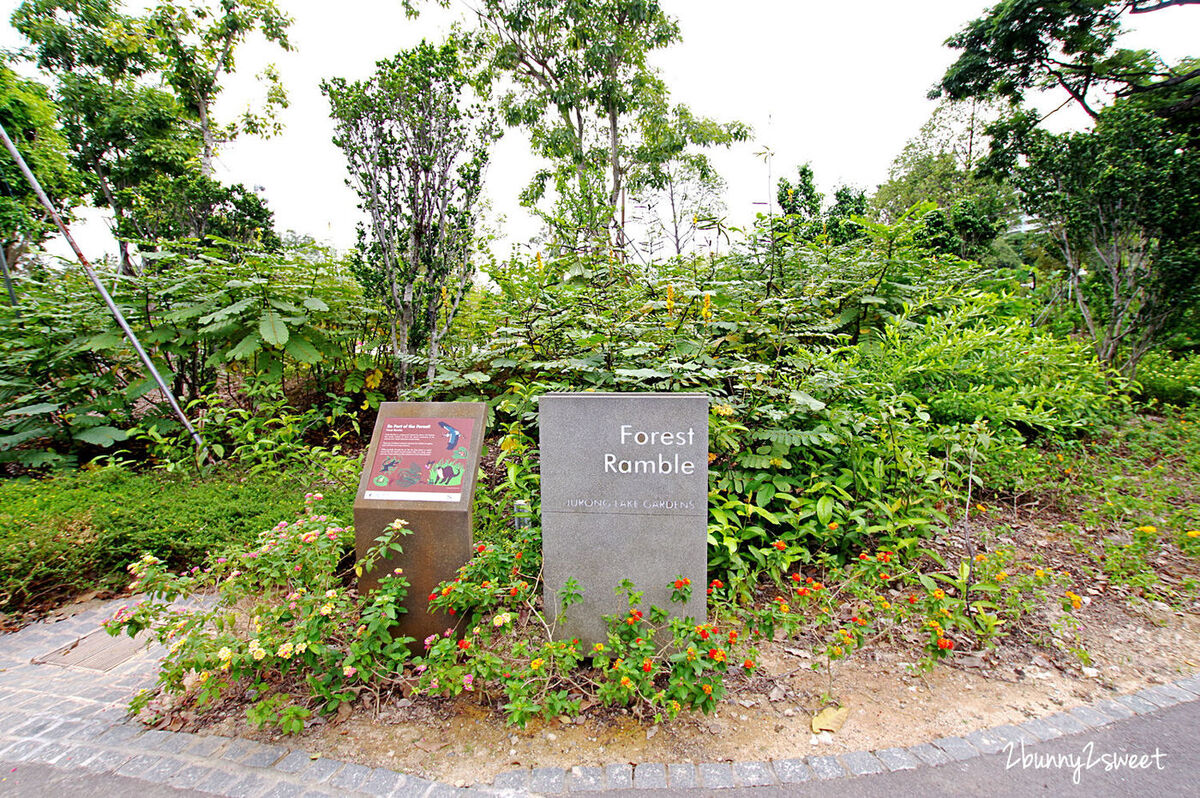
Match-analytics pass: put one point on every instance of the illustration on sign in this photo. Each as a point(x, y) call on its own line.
point(421, 459)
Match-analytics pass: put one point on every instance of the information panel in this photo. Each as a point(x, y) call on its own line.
point(421, 459)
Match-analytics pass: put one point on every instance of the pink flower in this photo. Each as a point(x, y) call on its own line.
point(220, 560)
point(468, 682)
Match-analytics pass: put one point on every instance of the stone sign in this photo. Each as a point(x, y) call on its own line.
point(421, 467)
point(624, 496)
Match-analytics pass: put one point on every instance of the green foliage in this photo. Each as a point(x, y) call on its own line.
point(78, 531)
point(416, 140)
point(1123, 204)
point(1170, 380)
point(72, 386)
point(31, 120)
point(1028, 44)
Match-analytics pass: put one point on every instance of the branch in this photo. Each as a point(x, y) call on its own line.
point(1146, 6)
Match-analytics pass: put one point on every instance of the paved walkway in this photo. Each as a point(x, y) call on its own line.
point(63, 732)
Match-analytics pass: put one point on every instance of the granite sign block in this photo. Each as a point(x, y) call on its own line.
point(421, 466)
point(624, 496)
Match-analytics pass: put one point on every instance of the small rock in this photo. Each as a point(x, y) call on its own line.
point(777, 694)
point(1091, 673)
point(812, 740)
point(404, 702)
point(747, 702)
point(789, 713)
point(653, 730)
point(460, 783)
point(551, 736)
point(563, 719)
point(825, 737)
point(1041, 661)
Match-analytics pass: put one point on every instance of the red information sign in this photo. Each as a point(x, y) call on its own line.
point(421, 459)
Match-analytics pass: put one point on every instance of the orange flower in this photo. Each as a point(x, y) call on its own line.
point(707, 688)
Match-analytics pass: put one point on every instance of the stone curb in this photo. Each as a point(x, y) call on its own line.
point(76, 721)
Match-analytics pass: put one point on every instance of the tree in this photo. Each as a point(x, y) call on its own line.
point(804, 217)
point(31, 120)
point(191, 206)
point(594, 106)
point(1123, 204)
point(197, 42)
point(416, 144)
point(135, 92)
point(1025, 44)
point(940, 165)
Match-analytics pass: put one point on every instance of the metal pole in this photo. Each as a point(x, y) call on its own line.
point(12, 294)
point(112, 306)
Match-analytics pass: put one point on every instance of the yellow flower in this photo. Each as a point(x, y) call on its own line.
point(1040, 574)
point(326, 609)
point(224, 654)
point(285, 651)
point(1195, 533)
point(723, 410)
point(598, 648)
point(1000, 577)
point(1147, 530)
point(536, 664)
point(203, 676)
point(939, 594)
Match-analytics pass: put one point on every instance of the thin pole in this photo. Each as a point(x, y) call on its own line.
point(112, 306)
point(12, 293)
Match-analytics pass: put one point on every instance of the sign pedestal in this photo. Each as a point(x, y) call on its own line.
point(420, 467)
point(624, 496)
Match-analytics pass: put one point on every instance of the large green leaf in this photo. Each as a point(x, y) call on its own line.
point(33, 410)
point(302, 350)
point(246, 347)
point(101, 436)
point(315, 304)
point(825, 509)
point(272, 329)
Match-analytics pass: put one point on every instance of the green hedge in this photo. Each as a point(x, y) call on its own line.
point(79, 530)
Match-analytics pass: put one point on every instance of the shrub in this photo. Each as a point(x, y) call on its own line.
point(79, 530)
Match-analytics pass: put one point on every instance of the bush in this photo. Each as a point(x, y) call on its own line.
point(80, 530)
point(1169, 380)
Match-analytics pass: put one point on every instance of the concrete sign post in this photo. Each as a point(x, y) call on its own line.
point(624, 496)
point(421, 467)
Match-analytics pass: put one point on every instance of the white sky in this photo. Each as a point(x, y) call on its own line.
point(839, 84)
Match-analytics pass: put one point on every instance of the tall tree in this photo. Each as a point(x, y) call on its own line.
point(1072, 44)
point(31, 120)
point(135, 93)
point(1123, 204)
point(198, 42)
point(594, 106)
point(416, 139)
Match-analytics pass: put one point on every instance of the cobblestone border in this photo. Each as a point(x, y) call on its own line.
point(75, 719)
